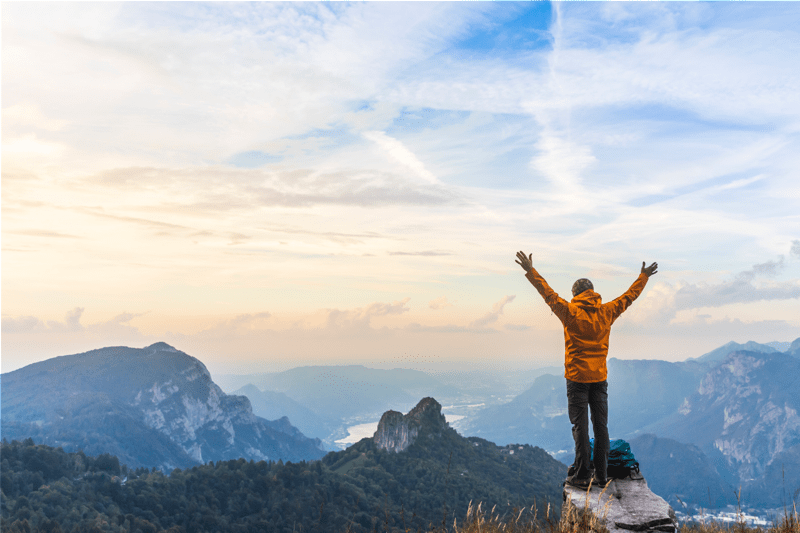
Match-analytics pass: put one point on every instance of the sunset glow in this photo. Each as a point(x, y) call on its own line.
point(268, 185)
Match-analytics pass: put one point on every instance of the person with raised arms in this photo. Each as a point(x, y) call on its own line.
point(587, 325)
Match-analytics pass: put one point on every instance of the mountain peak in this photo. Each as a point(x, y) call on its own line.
point(718, 355)
point(396, 431)
point(794, 348)
point(161, 347)
point(428, 409)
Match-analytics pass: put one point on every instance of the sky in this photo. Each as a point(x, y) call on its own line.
point(269, 185)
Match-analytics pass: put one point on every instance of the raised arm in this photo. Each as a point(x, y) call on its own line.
point(623, 302)
point(558, 304)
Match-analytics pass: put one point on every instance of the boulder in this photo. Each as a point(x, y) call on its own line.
point(625, 505)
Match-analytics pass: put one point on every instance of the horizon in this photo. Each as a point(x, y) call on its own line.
point(315, 183)
point(220, 370)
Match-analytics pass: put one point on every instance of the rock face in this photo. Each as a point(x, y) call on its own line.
point(396, 431)
point(154, 406)
point(625, 505)
point(746, 410)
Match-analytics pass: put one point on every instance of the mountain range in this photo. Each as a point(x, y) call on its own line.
point(728, 417)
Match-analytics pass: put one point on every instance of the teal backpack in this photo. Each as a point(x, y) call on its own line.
point(621, 461)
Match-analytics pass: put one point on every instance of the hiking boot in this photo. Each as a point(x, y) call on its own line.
point(578, 483)
point(601, 483)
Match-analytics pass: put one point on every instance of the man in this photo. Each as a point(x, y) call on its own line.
point(587, 324)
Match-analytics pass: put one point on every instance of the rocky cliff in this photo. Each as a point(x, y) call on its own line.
point(396, 431)
point(154, 406)
point(745, 410)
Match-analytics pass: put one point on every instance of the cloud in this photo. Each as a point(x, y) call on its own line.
point(213, 189)
point(360, 318)
point(237, 326)
point(124, 318)
point(740, 290)
point(663, 303)
point(20, 324)
point(492, 316)
point(439, 303)
point(45, 233)
point(563, 162)
point(426, 253)
point(73, 319)
point(249, 318)
point(398, 151)
point(795, 248)
point(30, 147)
point(770, 268)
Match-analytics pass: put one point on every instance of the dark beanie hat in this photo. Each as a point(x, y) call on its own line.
point(581, 285)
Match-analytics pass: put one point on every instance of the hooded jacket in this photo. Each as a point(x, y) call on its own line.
point(587, 325)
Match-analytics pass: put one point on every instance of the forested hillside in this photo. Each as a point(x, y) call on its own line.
point(47, 489)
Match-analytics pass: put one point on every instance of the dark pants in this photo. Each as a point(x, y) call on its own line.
point(581, 398)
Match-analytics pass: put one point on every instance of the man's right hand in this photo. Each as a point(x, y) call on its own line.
point(525, 262)
point(649, 271)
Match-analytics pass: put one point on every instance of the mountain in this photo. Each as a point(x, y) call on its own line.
point(681, 473)
point(425, 464)
point(154, 406)
point(780, 346)
point(780, 484)
point(719, 354)
point(794, 348)
point(745, 410)
point(271, 405)
point(645, 390)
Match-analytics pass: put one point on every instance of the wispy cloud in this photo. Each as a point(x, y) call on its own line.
point(439, 303)
point(360, 318)
point(492, 316)
point(426, 253)
point(397, 151)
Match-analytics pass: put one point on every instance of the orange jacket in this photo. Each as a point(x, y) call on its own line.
point(587, 325)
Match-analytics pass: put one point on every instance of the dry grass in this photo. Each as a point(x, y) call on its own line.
point(526, 520)
point(788, 523)
point(573, 520)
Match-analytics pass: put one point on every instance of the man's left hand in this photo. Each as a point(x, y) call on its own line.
point(649, 271)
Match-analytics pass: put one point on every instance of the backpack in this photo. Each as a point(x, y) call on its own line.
point(621, 461)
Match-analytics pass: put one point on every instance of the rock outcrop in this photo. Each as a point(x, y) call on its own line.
point(625, 505)
point(396, 431)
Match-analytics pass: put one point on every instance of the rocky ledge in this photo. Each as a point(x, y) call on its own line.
point(625, 505)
